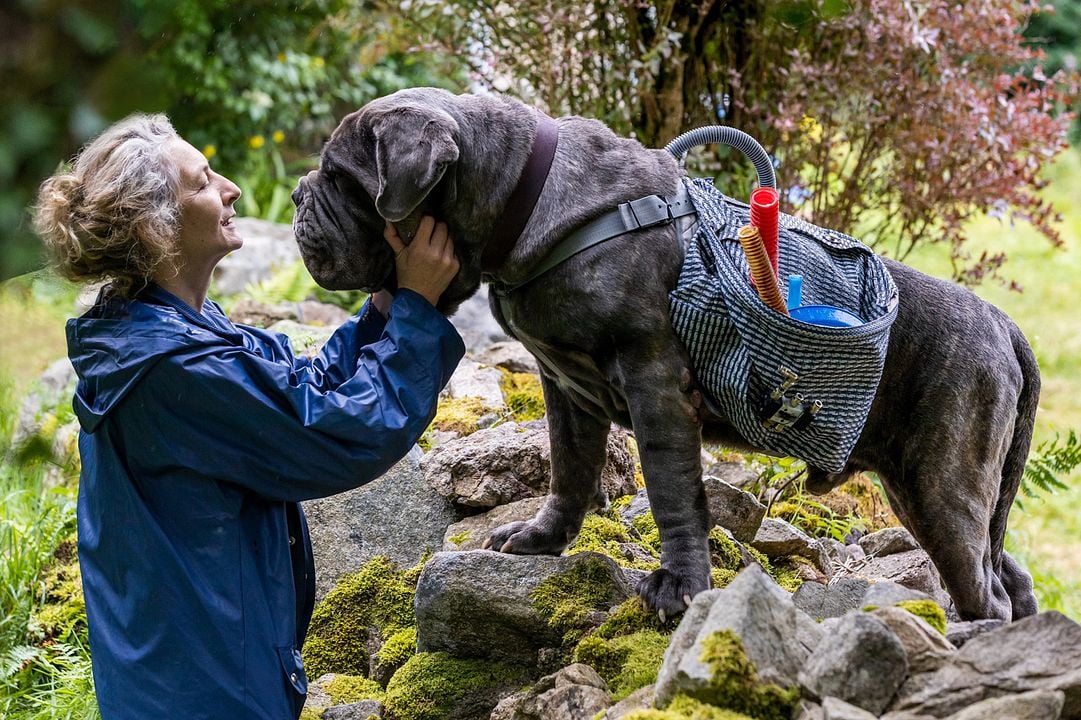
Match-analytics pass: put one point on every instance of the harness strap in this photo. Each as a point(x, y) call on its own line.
point(646, 212)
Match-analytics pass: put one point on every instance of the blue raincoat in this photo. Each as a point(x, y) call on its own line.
point(199, 437)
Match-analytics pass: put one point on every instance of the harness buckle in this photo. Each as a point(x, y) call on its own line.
point(645, 212)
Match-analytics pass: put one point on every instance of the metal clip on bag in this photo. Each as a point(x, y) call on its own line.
point(787, 386)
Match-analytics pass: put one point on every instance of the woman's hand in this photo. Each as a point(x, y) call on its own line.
point(426, 265)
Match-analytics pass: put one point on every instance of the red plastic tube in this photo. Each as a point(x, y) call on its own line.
point(765, 205)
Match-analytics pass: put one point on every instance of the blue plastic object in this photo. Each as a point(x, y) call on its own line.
point(825, 316)
point(795, 292)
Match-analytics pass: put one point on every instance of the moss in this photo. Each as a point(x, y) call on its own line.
point(459, 415)
point(633, 616)
point(344, 689)
point(566, 599)
point(311, 713)
point(786, 572)
point(626, 663)
point(685, 708)
point(398, 648)
point(379, 596)
point(929, 610)
point(618, 505)
point(647, 530)
point(523, 395)
point(723, 551)
point(735, 684)
point(63, 608)
point(432, 685)
point(461, 537)
point(602, 534)
point(721, 577)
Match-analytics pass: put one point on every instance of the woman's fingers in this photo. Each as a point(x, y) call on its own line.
point(390, 234)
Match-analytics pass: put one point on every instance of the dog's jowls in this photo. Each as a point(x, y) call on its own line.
point(948, 432)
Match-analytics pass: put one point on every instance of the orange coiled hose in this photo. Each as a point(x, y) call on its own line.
point(765, 281)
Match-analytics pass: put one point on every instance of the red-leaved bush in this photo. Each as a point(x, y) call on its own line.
point(895, 120)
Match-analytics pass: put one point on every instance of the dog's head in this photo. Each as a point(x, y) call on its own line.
point(391, 160)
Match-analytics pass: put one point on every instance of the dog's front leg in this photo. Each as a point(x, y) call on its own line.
point(667, 427)
point(579, 444)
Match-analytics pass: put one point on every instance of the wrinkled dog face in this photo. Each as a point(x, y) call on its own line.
point(381, 163)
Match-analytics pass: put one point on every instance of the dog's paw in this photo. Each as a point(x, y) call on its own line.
point(669, 593)
point(526, 538)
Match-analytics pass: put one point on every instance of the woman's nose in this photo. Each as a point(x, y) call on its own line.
point(231, 193)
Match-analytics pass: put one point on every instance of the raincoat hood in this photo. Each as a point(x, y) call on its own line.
point(116, 343)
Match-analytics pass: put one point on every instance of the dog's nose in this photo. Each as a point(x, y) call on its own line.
point(298, 193)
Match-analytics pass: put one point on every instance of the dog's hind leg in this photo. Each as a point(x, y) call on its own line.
point(667, 429)
point(579, 444)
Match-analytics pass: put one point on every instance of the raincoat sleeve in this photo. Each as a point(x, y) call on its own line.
point(236, 417)
point(337, 360)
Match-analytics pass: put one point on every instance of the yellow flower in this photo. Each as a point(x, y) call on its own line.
point(209, 151)
point(278, 136)
point(256, 142)
point(810, 127)
point(320, 62)
point(281, 57)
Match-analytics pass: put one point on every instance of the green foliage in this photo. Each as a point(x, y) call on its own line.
point(293, 283)
point(1053, 459)
point(378, 596)
point(431, 685)
point(398, 648)
point(630, 617)
point(604, 535)
point(566, 599)
point(523, 395)
point(686, 708)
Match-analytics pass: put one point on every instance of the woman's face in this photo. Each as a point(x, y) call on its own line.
point(207, 231)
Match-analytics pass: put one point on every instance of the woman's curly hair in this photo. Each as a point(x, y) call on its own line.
point(116, 215)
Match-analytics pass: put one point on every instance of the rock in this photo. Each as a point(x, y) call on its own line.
point(837, 709)
point(267, 247)
point(735, 474)
point(886, 593)
point(855, 552)
point(471, 379)
point(837, 551)
point(509, 462)
point(760, 613)
point(363, 710)
point(925, 648)
point(833, 599)
point(959, 633)
point(397, 515)
point(305, 339)
point(256, 314)
point(480, 604)
point(574, 692)
point(638, 507)
point(313, 312)
point(470, 533)
point(475, 323)
point(510, 355)
point(1040, 652)
point(53, 389)
point(859, 661)
point(888, 541)
point(317, 696)
point(491, 467)
point(912, 569)
point(733, 509)
point(807, 710)
point(1033, 705)
point(776, 538)
point(640, 699)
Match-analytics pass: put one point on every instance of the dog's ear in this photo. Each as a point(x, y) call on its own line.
point(413, 148)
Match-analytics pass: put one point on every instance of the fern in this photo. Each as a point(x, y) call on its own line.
point(1052, 461)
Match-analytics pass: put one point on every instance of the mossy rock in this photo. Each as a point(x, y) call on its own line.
point(394, 653)
point(685, 708)
point(345, 689)
point(565, 600)
point(437, 686)
point(378, 596)
point(633, 616)
point(312, 713)
point(460, 415)
point(603, 534)
point(626, 663)
point(930, 611)
point(523, 394)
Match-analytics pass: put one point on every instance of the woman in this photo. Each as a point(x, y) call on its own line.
point(199, 437)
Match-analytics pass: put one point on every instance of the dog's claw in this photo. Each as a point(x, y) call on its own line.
point(660, 614)
point(687, 600)
point(487, 544)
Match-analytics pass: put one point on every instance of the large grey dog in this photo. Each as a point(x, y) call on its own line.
point(948, 432)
